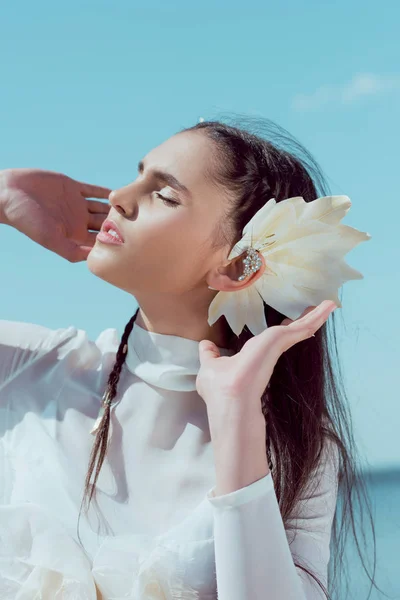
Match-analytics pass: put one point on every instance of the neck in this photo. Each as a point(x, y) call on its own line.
point(178, 315)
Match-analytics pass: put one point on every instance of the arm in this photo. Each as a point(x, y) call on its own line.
point(254, 554)
point(254, 557)
point(52, 210)
point(20, 343)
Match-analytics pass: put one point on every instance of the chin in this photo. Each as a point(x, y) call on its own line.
point(107, 267)
point(101, 263)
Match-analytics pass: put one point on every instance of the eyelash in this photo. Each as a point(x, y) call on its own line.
point(167, 201)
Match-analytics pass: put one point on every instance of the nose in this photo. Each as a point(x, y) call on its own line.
point(123, 201)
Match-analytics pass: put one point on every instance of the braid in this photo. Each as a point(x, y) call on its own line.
point(101, 441)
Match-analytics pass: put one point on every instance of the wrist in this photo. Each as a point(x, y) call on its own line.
point(240, 457)
point(238, 417)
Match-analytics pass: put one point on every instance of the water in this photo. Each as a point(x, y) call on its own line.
point(384, 490)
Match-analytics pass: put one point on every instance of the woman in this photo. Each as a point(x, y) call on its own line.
point(203, 486)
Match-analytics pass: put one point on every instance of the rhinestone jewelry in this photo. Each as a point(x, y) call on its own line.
point(252, 263)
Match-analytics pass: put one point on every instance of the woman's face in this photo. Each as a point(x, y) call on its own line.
point(168, 241)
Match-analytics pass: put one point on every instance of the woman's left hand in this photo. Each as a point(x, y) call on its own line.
point(240, 380)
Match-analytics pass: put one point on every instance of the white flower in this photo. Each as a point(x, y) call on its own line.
point(303, 244)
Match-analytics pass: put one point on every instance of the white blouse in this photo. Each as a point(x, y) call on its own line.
point(155, 531)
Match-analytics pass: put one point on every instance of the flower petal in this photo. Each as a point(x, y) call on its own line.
point(261, 217)
point(255, 315)
point(281, 295)
point(230, 305)
point(240, 307)
point(316, 238)
point(327, 209)
point(297, 284)
point(281, 218)
point(322, 269)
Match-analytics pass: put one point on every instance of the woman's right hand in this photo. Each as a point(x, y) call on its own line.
point(53, 210)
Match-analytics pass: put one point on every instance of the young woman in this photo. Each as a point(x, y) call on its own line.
point(214, 430)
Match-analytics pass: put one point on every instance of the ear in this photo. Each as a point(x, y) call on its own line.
point(224, 278)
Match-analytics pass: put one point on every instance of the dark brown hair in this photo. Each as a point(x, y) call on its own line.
point(255, 167)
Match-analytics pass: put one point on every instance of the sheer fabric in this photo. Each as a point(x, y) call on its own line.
point(156, 531)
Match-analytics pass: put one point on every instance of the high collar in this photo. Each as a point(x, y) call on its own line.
point(166, 361)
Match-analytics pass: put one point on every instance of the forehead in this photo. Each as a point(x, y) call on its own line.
point(188, 156)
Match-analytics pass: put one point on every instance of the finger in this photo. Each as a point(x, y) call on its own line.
point(307, 325)
point(94, 206)
point(96, 221)
point(287, 321)
point(271, 343)
point(320, 312)
point(207, 351)
point(93, 191)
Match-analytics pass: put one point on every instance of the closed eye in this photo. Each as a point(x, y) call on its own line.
point(167, 201)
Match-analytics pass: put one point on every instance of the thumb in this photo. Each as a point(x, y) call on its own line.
point(207, 351)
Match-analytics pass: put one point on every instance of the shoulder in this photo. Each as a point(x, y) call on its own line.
point(23, 345)
point(19, 334)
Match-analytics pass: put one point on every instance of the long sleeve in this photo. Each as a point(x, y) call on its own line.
point(255, 555)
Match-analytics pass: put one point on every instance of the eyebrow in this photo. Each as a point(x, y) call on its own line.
point(166, 177)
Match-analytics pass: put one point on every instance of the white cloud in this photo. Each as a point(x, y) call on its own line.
point(362, 84)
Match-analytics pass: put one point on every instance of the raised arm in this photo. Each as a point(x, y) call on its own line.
point(53, 210)
point(255, 554)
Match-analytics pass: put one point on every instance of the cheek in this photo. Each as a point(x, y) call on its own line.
point(165, 255)
point(172, 256)
point(170, 260)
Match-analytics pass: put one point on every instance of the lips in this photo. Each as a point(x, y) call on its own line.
point(109, 224)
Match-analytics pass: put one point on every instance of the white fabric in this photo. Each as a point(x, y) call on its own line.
point(156, 531)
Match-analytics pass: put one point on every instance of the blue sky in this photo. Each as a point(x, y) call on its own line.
point(87, 88)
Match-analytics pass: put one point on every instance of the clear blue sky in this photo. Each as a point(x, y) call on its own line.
point(87, 88)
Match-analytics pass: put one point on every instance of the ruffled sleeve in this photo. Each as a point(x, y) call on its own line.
point(37, 555)
point(39, 558)
point(255, 555)
point(21, 344)
point(138, 567)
